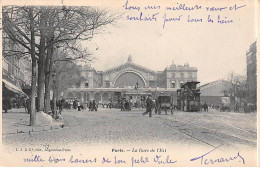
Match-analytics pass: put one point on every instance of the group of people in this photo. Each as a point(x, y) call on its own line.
point(92, 106)
point(125, 105)
point(76, 104)
point(237, 106)
point(9, 103)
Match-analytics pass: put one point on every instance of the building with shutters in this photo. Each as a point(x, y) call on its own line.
point(16, 68)
point(252, 73)
point(130, 80)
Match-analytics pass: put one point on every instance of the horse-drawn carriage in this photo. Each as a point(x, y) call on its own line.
point(164, 103)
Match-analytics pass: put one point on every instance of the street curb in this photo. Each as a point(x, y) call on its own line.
point(30, 130)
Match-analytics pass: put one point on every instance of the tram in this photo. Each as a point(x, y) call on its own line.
point(188, 97)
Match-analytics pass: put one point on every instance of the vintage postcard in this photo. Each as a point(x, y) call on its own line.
point(129, 83)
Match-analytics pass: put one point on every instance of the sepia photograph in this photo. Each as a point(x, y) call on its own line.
point(129, 84)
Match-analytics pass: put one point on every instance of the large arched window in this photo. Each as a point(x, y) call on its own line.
point(129, 79)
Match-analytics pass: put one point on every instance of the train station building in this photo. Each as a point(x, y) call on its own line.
point(212, 92)
point(131, 81)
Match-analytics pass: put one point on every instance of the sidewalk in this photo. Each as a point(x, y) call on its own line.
point(16, 121)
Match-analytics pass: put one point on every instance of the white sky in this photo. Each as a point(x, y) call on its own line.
point(215, 49)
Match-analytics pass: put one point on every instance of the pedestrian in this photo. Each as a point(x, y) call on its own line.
point(94, 106)
point(245, 107)
point(61, 103)
point(149, 105)
point(24, 104)
point(123, 105)
point(157, 105)
point(90, 105)
point(78, 104)
point(126, 105)
point(28, 105)
point(75, 104)
point(205, 106)
point(237, 107)
point(172, 108)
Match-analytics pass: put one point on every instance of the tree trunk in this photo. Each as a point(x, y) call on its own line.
point(41, 74)
point(41, 78)
point(47, 106)
point(48, 72)
point(48, 64)
point(33, 83)
point(55, 95)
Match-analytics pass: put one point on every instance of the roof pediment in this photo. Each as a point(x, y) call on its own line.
point(129, 64)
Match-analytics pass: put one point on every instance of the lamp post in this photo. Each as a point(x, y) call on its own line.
point(136, 88)
point(54, 111)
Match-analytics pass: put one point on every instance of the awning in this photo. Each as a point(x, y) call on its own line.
point(13, 88)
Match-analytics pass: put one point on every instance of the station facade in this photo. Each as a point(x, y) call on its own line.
point(131, 81)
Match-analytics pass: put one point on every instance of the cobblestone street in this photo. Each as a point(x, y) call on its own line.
point(111, 126)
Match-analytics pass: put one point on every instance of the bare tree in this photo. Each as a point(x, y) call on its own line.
point(69, 26)
point(238, 87)
point(24, 35)
point(41, 29)
point(32, 115)
point(62, 64)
